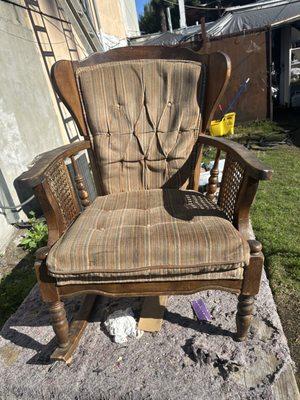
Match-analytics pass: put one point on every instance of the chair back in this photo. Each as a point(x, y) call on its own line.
point(143, 109)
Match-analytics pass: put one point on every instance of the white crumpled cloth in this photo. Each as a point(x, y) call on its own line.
point(121, 325)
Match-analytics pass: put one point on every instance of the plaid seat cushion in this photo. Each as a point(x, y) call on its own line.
point(146, 235)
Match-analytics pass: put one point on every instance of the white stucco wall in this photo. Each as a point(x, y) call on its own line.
point(28, 122)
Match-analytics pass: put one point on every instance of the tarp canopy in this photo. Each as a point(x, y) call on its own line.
point(263, 14)
point(258, 15)
point(168, 38)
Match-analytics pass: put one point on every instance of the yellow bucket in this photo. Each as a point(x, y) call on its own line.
point(223, 127)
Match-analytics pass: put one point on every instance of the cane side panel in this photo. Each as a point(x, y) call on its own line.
point(233, 176)
point(61, 187)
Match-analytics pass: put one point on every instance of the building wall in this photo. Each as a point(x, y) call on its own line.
point(29, 124)
point(112, 27)
point(56, 34)
point(118, 20)
point(61, 44)
point(130, 18)
point(30, 119)
point(248, 54)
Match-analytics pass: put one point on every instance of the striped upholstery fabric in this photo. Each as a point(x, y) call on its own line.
point(144, 116)
point(146, 235)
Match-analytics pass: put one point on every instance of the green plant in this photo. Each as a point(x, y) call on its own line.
point(36, 236)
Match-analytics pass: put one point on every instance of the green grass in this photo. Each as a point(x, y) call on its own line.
point(275, 214)
point(254, 131)
point(275, 217)
point(276, 223)
point(258, 130)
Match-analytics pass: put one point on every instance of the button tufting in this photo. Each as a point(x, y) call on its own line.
point(169, 103)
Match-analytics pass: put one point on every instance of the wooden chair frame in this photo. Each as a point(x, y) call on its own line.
point(53, 187)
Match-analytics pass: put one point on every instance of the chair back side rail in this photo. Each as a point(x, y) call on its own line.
point(212, 185)
point(80, 185)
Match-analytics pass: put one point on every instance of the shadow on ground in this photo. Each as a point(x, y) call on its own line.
point(35, 315)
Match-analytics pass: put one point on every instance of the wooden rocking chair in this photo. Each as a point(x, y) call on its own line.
point(143, 113)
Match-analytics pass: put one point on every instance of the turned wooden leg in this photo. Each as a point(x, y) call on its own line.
point(250, 287)
point(244, 316)
point(59, 322)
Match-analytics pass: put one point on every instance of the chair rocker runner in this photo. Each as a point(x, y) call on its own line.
point(143, 113)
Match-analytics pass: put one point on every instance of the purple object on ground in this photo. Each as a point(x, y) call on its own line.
point(201, 310)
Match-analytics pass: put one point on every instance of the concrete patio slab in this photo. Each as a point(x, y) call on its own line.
point(185, 360)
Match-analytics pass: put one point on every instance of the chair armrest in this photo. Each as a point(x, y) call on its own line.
point(253, 166)
point(52, 185)
point(241, 175)
point(35, 174)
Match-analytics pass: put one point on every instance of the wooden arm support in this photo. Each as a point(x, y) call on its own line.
point(35, 174)
point(253, 167)
point(241, 175)
point(52, 185)
point(255, 246)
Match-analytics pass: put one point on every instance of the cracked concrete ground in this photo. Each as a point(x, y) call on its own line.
point(187, 359)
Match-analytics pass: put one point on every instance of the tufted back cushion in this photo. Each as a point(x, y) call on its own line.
point(144, 116)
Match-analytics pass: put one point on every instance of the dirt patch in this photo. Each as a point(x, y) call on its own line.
point(13, 254)
point(17, 276)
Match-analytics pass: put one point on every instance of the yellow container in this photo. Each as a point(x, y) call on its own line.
point(223, 127)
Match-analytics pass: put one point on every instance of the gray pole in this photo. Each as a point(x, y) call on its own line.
point(182, 14)
point(169, 19)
